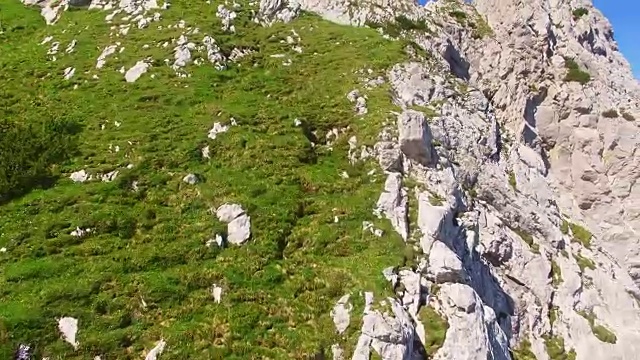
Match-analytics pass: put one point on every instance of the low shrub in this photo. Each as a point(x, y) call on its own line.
point(28, 153)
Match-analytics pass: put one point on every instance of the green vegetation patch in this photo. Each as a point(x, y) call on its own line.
point(30, 150)
point(602, 333)
point(512, 180)
point(581, 235)
point(611, 113)
point(435, 327)
point(523, 352)
point(564, 227)
point(574, 73)
point(401, 23)
point(556, 350)
point(553, 314)
point(528, 239)
point(435, 199)
point(579, 12)
point(556, 274)
point(627, 116)
point(144, 272)
point(584, 262)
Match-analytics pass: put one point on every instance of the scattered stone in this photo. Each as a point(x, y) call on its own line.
point(68, 326)
point(136, 71)
point(368, 226)
point(276, 10)
point(68, 73)
point(216, 293)
point(337, 352)
point(156, 351)
point(391, 275)
point(341, 314)
point(78, 232)
point(226, 16)
point(190, 179)
point(206, 152)
point(79, 176)
point(110, 176)
point(415, 137)
point(102, 59)
point(217, 128)
point(393, 204)
point(238, 223)
point(217, 239)
point(23, 352)
point(360, 102)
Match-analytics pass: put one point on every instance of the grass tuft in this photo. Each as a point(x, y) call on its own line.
point(435, 327)
point(602, 333)
point(556, 350)
point(579, 12)
point(523, 352)
point(611, 114)
point(584, 262)
point(574, 73)
point(581, 235)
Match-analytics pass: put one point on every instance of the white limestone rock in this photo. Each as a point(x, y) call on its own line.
point(68, 73)
point(277, 10)
point(80, 176)
point(216, 293)
point(393, 204)
point(68, 327)
point(136, 71)
point(390, 335)
point(110, 176)
point(78, 232)
point(337, 352)
point(217, 128)
point(415, 137)
point(444, 264)
point(154, 354)
point(238, 223)
point(190, 179)
point(102, 58)
point(473, 331)
point(341, 314)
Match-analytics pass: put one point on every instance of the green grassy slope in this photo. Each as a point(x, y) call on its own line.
point(150, 244)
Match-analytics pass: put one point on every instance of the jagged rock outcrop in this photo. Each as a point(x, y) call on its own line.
point(587, 133)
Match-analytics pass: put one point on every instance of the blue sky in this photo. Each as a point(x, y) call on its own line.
point(624, 15)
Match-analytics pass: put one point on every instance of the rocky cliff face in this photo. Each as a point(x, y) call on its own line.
point(508, 152)
point(549, 72)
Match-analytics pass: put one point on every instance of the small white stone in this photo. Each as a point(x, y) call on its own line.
point(216, 292)
point(156, 351)
point(190, 179)
point(217, 129)
point(68, 326)
point(68, 73)
point(206, 152)
point(79, 176)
